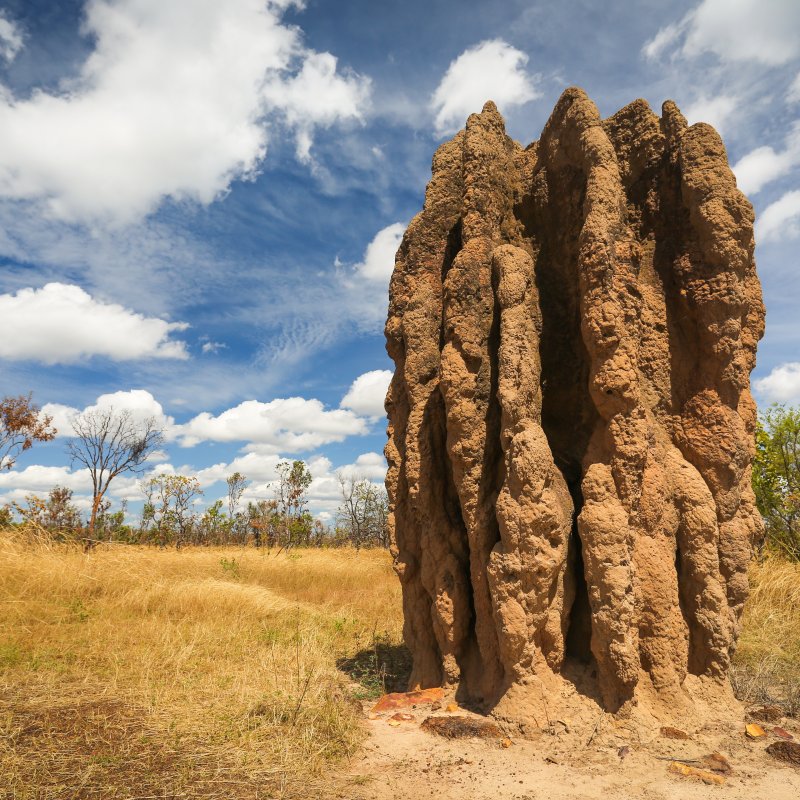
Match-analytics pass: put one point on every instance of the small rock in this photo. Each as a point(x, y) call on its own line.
point(674, 733)
point(506, 742)
point(395, 700)
point(782, 734)
point(401, 717)
point(461, 727)
point(717, 762)
point(767, 714)
point(785, 751)
point(623, 752)
point(753, 731)
point(436, 706)
point(451, 707)
point(679, 768)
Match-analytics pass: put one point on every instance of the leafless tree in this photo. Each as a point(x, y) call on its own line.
point(363, 511)
point(236, 486)
point(110, 443)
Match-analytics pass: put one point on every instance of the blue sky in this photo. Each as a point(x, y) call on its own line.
point(200, 201)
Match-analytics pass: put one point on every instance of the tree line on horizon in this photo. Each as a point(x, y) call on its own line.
point(109, 443)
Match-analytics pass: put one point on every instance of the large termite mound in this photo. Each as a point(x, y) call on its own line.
point(573, 326)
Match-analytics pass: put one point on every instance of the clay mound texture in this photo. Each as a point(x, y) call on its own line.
point(573, 326)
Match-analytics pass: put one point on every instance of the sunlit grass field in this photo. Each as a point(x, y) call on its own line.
point(208, 672)
point(766, 666)
point(133, 672)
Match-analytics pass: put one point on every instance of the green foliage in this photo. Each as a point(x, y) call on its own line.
point(56, 514)
point(10, 654)
point(6, 516)
point(776, 478)
point(295, 524)
point(169, 506)
point(78, 611)
point(230, 567)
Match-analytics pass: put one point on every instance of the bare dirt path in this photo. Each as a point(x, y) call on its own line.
point(404, 762)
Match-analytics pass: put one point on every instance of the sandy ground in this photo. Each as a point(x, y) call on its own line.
point(405, 763)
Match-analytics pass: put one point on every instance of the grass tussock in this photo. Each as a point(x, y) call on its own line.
point(766, 667)
point(209, 672)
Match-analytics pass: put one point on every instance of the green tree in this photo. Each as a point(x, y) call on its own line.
point(168, 505)
point(262, 520)
point(776, 478)
point(57, 515)
point(291, 500)
point(214, 526)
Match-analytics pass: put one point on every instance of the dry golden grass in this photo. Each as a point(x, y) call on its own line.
point(133, 672)
point(767, 663)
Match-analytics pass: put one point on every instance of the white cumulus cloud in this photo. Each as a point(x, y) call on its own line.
point(172, 103)
point(139, 402)
point(779, 220)
point(782, 385)
point(288, 425)
point(763, 165)
point(368, 465)
point(258, 468)
point(367, 393)
point(61, 323)
point(490, 70)
point(37, 479)
point(378, 261)
point(765, 31)
point(324, 493)
point(716, 111)
point(318, 96)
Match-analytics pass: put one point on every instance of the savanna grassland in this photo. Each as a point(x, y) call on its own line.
point(135, 672)
point(206, 672)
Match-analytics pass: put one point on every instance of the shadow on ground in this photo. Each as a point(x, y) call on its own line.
point(379, 669)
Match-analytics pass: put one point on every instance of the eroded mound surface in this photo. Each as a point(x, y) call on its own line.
point(573, 326)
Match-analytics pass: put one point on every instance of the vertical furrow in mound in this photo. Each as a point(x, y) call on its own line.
point(614, 462)
point(534, 507)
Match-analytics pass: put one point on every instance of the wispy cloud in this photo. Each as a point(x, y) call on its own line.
point(10, 38)
point(744, 30)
